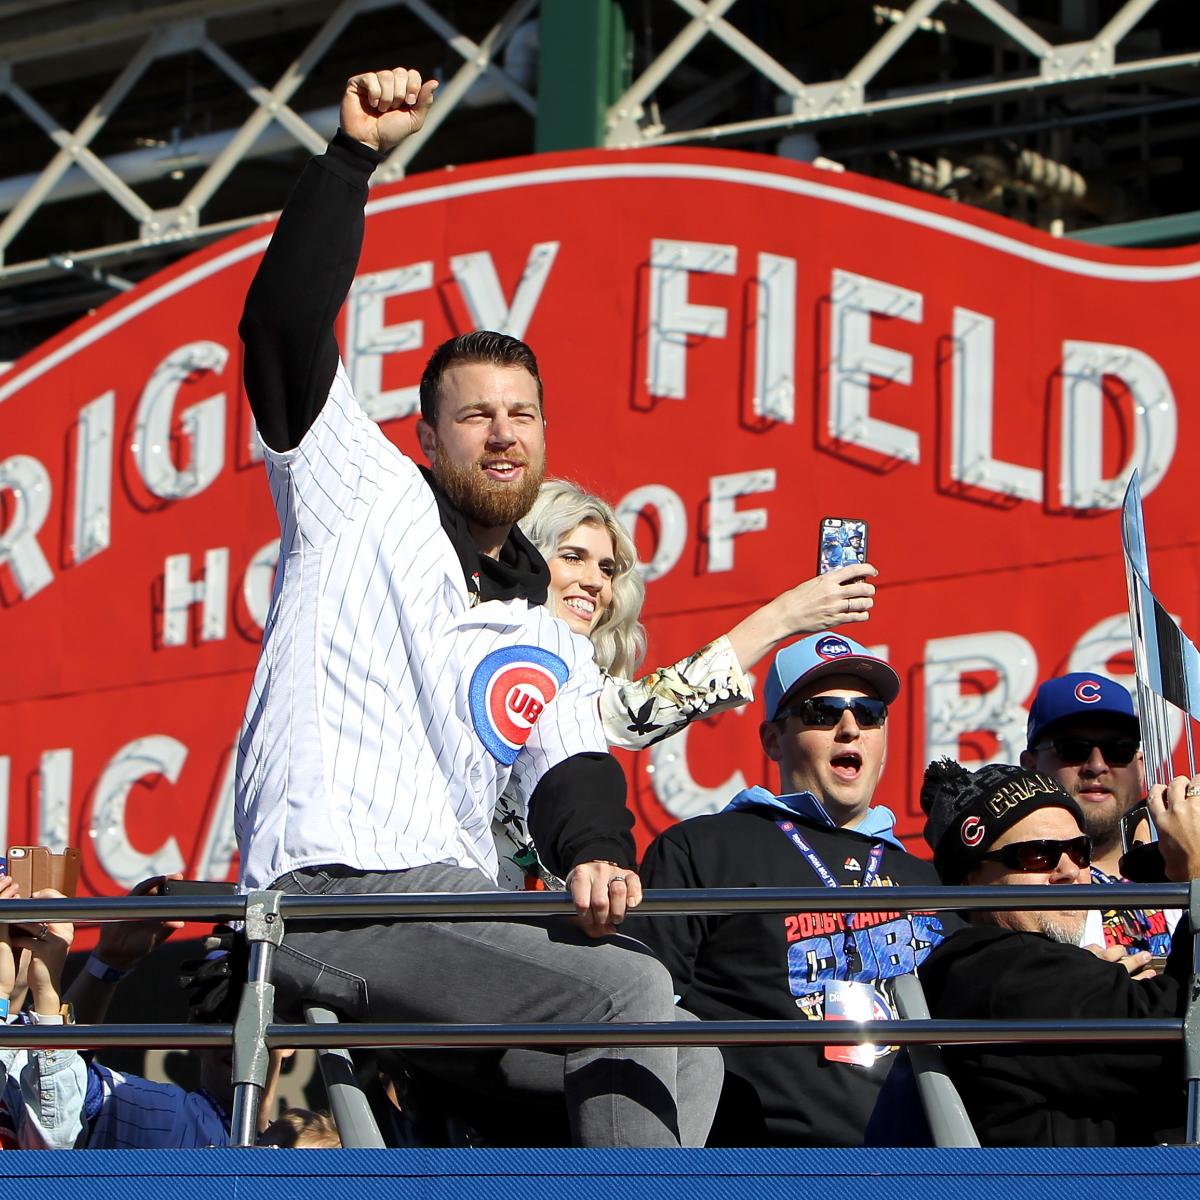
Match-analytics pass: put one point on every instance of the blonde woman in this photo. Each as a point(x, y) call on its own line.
point(596, 589)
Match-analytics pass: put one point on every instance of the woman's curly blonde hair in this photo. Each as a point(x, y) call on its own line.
point(562, 506)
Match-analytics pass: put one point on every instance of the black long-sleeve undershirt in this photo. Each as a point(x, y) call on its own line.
point(577, 814)
point(305, 275)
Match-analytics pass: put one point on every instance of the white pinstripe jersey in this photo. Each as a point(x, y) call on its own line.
point(387, 714)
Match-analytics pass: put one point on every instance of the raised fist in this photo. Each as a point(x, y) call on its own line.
point(382, 108)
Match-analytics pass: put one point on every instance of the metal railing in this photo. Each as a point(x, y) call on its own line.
point(266, 913)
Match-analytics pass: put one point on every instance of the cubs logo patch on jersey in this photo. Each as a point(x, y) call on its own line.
point(509, 690)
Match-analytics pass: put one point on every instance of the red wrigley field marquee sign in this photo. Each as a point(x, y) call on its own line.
point(733, 347)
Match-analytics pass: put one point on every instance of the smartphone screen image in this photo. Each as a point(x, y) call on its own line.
point(842, 542)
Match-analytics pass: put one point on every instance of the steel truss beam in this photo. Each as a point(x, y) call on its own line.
point(162, 29)
point(1059, 66)
point(184, 28)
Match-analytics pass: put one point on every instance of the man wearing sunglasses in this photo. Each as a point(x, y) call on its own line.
point(1083, 732)
point(1003, 825)
point(826, 701)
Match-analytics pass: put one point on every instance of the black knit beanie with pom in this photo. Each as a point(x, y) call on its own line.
point(967, 811)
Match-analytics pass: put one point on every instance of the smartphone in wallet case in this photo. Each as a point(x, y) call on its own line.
point(37, 867)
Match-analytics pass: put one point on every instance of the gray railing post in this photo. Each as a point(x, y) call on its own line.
point(264, 932)
point(1191, 1021)
point(944, 1109)
point(352, 1114)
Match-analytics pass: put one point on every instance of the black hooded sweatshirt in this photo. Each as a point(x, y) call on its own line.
point(1059, 1094)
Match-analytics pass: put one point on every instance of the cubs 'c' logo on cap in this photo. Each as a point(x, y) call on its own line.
point(508, 692)
point(1087, 692)
point(972, 831)
point(833, 647)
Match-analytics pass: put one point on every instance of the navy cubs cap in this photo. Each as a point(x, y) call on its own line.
point(1078, 695)
point(825, 654)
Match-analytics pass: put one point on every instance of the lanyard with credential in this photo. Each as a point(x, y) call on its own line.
point(822, 872)
point(843, 995)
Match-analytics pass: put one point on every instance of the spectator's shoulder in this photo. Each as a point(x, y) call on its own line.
point(1001, 955)
point(689, 832)
point(710, 843)
point(199, 1123)
point(717, 850)
point(962, 950)
point(916, 871)
point(735, 823)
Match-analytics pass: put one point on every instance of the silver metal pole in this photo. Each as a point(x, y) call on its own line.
point(431, 1035)
point(251, 1058)
point(989, 1031)
point(454, 906)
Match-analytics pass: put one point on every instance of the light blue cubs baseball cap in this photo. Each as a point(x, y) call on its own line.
point(825, 654)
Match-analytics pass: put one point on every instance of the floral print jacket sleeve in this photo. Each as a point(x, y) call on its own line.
point(639, 712)
point(636, 713)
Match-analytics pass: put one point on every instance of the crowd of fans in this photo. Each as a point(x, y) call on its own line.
point(825, 725)
point(449, 656)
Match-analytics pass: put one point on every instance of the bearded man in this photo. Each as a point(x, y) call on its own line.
point(409, 674)
point(1083, 732)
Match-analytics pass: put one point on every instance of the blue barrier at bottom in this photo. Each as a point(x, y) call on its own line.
point(556, 1174)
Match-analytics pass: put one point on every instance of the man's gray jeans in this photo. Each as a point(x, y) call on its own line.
point(500, 971)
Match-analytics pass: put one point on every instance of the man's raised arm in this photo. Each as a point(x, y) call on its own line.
point(288, 321)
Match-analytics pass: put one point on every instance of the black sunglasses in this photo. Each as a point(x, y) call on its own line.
point(1072, 751)
point(1042, 855)
point(824, 712)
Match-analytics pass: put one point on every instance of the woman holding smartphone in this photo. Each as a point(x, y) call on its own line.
point(596, 589)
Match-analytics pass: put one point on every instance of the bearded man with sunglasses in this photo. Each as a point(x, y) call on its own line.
point(1003, 825)
point(827, 702)
point(1083, 733)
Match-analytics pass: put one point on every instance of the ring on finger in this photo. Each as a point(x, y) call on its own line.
point(1191, 791)
point(617, 879)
